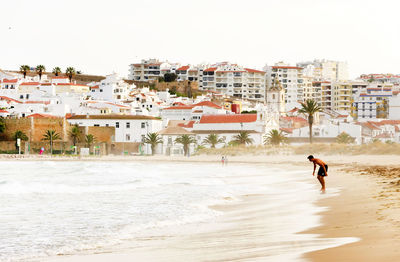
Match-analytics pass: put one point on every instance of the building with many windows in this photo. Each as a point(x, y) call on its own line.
point(325, 70)
point(151, 70)
point(291, 79)
point(234, 80)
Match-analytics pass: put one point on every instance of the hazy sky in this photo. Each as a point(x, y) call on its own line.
point(99, 37)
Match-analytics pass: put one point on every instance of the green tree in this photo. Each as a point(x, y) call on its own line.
point(24, 69)
point(39, 70)
point(21, 135)
point(70, 72)
point(89, 140)
point(242, 138)
point(344, 138)
point(310, 107)
point(185, 140)
point(153, 139)
point(56, 71)
point(51, 136)
point(213, 140)
point(75, 134)
point(170, 77)
point(275, 137)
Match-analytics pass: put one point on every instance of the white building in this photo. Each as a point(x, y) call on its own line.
point(290, 78)
point(128, 128)
point(234, 80)
point(192, 112)
point(112, 89)
point(151, 70)
point(325, 70)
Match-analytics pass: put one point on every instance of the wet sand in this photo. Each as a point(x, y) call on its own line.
point(367, 207)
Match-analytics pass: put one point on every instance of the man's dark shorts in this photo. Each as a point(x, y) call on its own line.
point(321, 171)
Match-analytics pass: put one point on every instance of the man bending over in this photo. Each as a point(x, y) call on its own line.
point(322, 171)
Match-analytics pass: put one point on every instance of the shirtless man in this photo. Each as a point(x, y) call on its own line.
point(322, 171)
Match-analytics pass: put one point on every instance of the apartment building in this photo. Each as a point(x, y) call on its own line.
point(291, 79)
point(384, 78)
point(336, 96)
point(371, 100)
point(325, 70)
point(234, 80)
point(190, 73)
point(150, 70)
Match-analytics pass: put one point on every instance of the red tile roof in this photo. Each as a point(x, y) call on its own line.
point(30, 84)
point(237, 118)
point(3, 111)
point(37, 102)
point(211, 69)
point(9, 80)
point(294, 110)
point(178, 104)
point(183, 68)
point(37, 115)
point(60, 77)
point(179, 108)
point(10, 99)
point(207, 103)
point(94, 87)
point(187, 125)
point(254, 71)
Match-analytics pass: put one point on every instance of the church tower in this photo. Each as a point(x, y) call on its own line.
point(275, 97)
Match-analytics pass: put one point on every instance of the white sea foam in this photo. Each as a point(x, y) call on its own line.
point(49, 208)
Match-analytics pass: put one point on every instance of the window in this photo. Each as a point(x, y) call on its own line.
point(128, 125)
point(143, 138)
point(101, 90)
point(116, 124)
point(143, 125)
point(96, 125)
point(107, 125)
point(128, 137)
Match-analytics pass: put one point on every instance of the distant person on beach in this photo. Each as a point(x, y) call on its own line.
point(222, 160)
point(322, 171)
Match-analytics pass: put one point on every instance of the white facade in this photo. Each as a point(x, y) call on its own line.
point(127, 128)
point(113, 89)
point(290, 78)
point(151, 70)
point(325, 70)
point(234, 80)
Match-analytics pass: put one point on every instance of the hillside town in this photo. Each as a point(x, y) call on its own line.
point(160, 103)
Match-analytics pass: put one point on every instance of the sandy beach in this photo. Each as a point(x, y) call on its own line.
point(367, 208)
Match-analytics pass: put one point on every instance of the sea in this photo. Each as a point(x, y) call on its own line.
point(53, 208)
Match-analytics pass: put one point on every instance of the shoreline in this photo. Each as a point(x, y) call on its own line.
point(365, 208)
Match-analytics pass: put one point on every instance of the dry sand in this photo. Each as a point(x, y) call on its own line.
point(368, 208)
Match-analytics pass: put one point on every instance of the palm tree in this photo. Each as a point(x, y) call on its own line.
point(242, 138)
point(344, 138)
point(70, 72)
point(24, 69)
point(51, 136)
point(213, 140)
point(75, 134)
point(21, 135)
point(89, 140)
point(185, 140)
point(310, 107)
point(153, 139)
point(275, 137)
point(56, 71)
point(40, 69)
